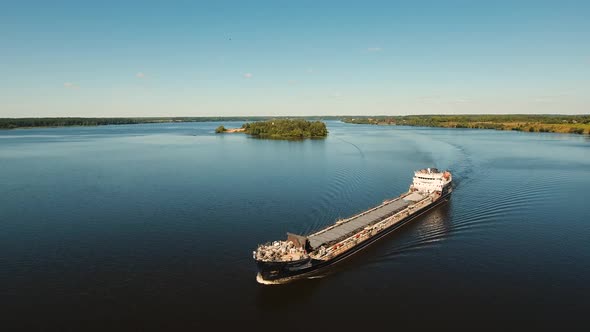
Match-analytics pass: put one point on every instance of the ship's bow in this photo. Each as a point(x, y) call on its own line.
point(270, 270)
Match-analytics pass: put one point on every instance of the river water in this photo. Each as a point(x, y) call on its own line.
point(153, 226)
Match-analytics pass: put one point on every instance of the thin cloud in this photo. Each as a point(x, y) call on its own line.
point(545, 99)
point(140, 75)
point(374, 49)
point(436, 99)
point(309, 70)
point(430, 99)
point(552, 98)
point(248, 75)
point(70, 85)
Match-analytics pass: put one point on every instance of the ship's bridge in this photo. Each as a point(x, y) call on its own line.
point(430, 180)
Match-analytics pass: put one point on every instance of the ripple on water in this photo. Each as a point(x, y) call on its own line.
point(433, 227)
point(345, 181)
point(500, 201)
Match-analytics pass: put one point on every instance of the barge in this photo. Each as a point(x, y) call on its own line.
point(302, 256)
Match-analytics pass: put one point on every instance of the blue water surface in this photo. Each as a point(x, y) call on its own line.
point(153, 225)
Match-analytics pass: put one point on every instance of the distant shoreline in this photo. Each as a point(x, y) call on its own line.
point(552, 123)
point(28, 123)
point(565, 124)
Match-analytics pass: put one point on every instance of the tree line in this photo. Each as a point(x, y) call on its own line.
point(286, 129)
point(575, 124)
point(12, 123)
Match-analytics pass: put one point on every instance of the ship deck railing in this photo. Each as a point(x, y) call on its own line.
point(341, 221)
point(345, 228)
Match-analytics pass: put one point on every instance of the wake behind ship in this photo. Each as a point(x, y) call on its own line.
point(301, 256)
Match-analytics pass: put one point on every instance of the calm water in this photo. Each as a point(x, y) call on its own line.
point(154, 226)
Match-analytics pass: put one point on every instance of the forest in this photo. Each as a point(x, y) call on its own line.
point(573, 124)
point(13, 123)
point(286, 129)
point(309, 126)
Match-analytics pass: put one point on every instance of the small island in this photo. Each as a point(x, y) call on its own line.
point(281, 129)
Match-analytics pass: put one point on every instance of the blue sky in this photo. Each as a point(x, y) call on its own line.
point(193, 58)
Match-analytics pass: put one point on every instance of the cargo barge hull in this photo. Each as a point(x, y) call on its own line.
point(306, 256)
point(309, 267)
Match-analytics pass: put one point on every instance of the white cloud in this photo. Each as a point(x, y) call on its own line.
point(374, 49)
point(309, 70)
point(140, 75)
point(70, 85)
point(248, 75)
point(336, 94)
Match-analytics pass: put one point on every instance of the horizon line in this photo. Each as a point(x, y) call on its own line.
point(287, 116)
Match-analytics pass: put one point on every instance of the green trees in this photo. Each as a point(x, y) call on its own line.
point(472, 119)
point(219, 129)
point(544, 123)
point(318, 129)
point(10, 123)
point(286, 129)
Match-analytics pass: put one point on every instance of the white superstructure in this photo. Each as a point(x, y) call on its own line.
point(429, 180)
